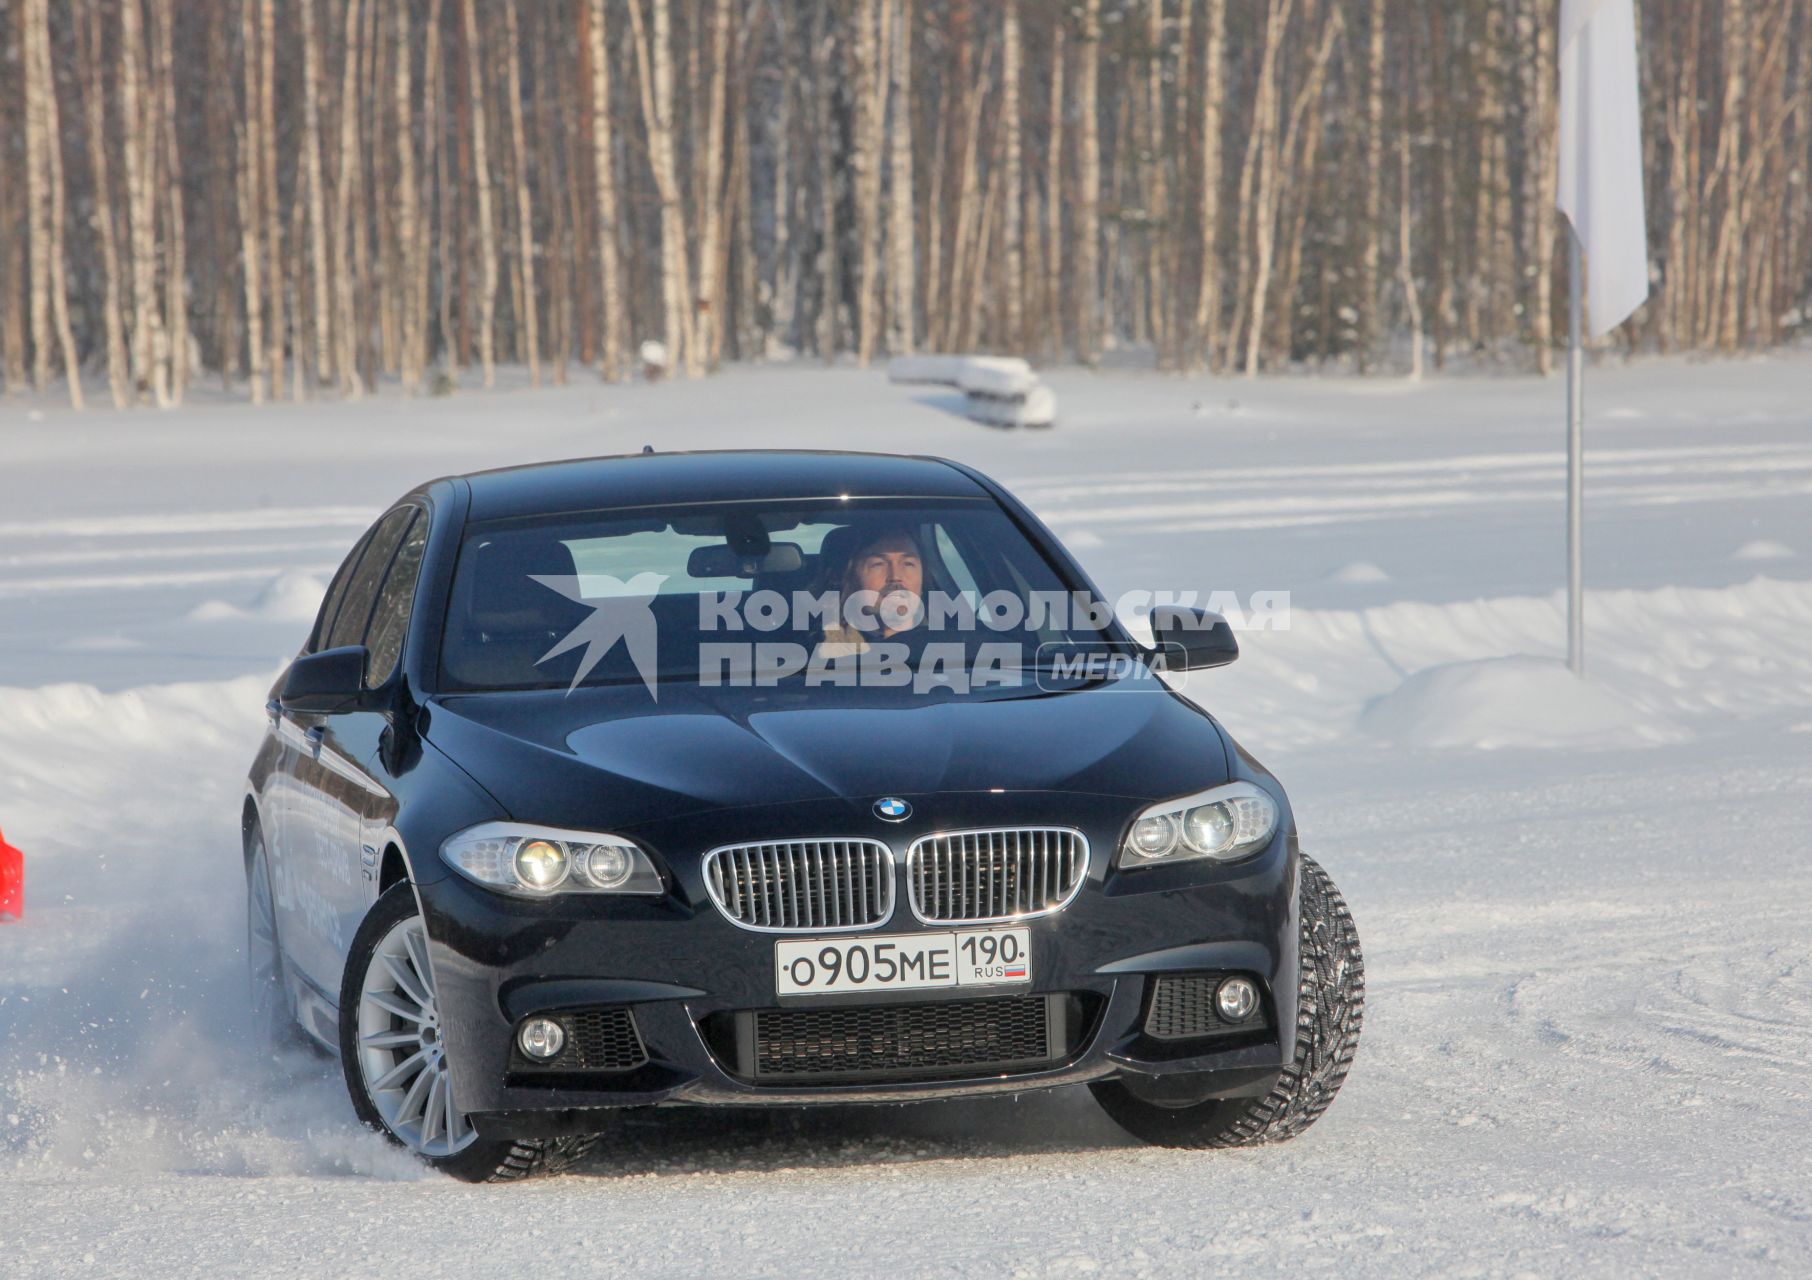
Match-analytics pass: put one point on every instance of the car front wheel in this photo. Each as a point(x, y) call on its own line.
point(394, 1055)
point(1330, 1009)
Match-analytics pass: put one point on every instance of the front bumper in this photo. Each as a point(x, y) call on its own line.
point(676, 962)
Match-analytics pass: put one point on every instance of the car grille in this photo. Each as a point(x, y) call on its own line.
point(602, 1039)
point(817, 885)
point(1007, 874)
point(907, 1041)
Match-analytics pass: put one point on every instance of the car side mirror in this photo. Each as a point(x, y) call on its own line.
point(1192, 639)
point(323, 683)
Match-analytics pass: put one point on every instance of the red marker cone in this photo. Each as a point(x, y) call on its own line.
point(12, 881)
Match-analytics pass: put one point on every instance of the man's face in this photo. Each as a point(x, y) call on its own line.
point(889, 567)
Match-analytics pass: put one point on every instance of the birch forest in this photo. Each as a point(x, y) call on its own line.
point(297, 199)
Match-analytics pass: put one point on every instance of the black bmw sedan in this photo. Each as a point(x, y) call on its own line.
point(770, 779)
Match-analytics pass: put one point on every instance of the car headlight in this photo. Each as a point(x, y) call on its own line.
point(535, 862)
point(1223, 823)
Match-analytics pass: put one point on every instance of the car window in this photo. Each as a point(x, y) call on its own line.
point(336, 593)
point(621, 596)
point(605, 564)
point(362, 587)
point(960, 575)
point(390, 617)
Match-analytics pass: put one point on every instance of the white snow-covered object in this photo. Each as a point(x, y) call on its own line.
point(1035, 406)
point(996, 379)
point(1001, 391)
point(948, 370)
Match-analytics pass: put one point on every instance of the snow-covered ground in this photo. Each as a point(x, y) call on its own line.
point(1587, 910)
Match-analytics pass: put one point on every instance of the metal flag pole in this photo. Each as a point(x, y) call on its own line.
point(1575, 464)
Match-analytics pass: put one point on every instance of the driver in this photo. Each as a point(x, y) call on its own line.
point(888, 565)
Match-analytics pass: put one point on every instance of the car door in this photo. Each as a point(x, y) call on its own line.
point(331, 789)
point(351, 741)
point(285, 809)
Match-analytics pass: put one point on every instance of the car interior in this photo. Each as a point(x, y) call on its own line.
point(508, 609)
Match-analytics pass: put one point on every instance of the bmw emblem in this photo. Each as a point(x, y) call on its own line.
point(892, 809)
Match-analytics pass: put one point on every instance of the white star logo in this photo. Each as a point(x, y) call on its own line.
point(619, 611)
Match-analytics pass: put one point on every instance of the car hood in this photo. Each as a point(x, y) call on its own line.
point(609, 755)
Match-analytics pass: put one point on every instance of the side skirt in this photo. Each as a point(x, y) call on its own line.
point(316, 1014)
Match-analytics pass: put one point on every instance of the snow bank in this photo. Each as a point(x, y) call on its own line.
point(288, 597)
point(1672, 658)
point(1360, 573)
point(85, 773)
point(1762, 549)
point(126, 1045)
point(1509, 702)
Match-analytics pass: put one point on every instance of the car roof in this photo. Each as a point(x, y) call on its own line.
point(660, 479)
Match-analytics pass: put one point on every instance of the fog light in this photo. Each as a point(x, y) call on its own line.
point(542, 1038)
point(1236, 999)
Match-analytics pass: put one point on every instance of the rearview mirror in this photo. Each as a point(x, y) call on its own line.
point(326, 682)
point(722, 561)
point(1192, 639)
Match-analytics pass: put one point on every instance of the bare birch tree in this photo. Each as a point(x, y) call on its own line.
point(54, 214)
point(346, 190)
point(1088, 178)
point(1208, 286)
point(865, 174)
point(604, 181)
point(1258, 182)
point(322, 312)
point(269, 192)
point(654, 60)
point(406, 200)
point(901, 265)
point(1012, 205)
point(1374, 183)
point(710, 274)
point(176, 275)
point(487, 226)
point(119, 372)
point(37, 189)
point(141, 198)
point(1053, 195)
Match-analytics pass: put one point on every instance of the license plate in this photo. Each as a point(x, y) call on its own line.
point(904, 962)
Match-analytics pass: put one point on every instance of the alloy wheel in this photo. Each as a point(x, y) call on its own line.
point(401, 1051)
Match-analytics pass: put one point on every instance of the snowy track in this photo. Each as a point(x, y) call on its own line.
point(1588, 1045)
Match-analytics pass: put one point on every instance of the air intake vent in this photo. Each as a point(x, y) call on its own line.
point(910, 1041)
point(602, 1039)
point(1182, 1007)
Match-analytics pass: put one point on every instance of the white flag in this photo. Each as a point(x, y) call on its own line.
point(1601, 153)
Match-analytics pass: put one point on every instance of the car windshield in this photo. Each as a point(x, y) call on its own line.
point(947, 594)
